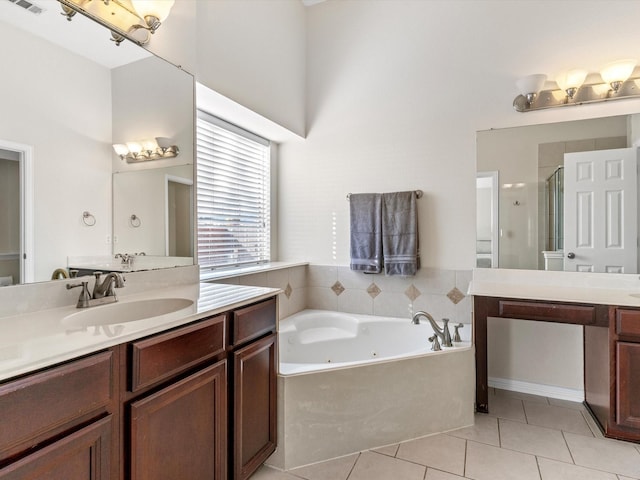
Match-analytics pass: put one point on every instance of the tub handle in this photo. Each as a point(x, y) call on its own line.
point(435, 343)
point(456, 333)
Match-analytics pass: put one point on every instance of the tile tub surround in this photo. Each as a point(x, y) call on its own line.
point(335, 413)
point(442, 293)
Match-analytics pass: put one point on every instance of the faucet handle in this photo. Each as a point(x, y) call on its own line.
point(435, 343)
point(456, 333)
point(83, 299)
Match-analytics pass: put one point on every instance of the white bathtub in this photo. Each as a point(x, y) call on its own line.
point(314, 340)
point(353, 382)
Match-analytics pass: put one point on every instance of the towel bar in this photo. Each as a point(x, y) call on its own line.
point(419, 194)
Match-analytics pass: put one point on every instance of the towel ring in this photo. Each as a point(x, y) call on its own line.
point(135, 221)
point(88, 219)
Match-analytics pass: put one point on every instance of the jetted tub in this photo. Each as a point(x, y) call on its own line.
point(352, 382)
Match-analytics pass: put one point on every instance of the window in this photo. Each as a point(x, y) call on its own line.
point(233, 193)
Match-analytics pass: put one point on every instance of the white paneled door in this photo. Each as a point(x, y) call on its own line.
point(600, 211)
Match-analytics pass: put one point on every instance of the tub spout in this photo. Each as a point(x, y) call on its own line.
point(443, 333)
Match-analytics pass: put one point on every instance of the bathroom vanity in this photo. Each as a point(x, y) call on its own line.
point(189, 395)
point(610, 318)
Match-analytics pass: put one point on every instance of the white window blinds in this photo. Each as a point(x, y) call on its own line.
point(233, 195)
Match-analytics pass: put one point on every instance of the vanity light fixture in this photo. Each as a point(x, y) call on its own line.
point(530, 86)
point(146, 150)
point(618, 82)
point(134, 20)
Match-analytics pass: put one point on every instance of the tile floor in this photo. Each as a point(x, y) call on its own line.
point(524, 437)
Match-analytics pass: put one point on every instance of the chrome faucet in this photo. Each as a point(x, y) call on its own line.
point(443, 333)
point(105, 289)
point(102, 292)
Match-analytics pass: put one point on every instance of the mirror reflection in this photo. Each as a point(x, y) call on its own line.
point(63, 108)
point(559, 196)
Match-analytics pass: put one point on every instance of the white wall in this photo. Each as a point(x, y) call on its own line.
point(253, 52)
point(67, 119)
point(395, 94)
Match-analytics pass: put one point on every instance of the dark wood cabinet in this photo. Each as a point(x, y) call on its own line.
point(254, 400)
point(180, 430)
point(628, 385)
point(195, 402)
point(84, 454)
point(252, 394)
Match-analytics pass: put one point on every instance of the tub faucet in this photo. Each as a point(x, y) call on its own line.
point(443, 333)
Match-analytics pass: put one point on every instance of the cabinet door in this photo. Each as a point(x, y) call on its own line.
point(180, 431)
point(628, 384)
point(254, 402)
point(82, 455)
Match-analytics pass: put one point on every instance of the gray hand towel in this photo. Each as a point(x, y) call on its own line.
point(366, 232)
point(400, 233)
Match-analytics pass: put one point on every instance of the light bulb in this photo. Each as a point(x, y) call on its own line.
point(120, 149)
point(616, 73)
point(159, 9)
point(571, 81)
point(134, 148)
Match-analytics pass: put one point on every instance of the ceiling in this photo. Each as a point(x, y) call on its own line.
point(80, 35)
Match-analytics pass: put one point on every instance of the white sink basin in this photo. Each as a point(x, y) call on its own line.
point(123, 312)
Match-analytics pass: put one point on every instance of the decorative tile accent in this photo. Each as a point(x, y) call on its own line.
point(337, 288)
point(455, 295)
point(288, 290)
point(412, 292)
point(373, 290)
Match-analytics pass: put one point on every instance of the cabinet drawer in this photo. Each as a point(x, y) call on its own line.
point(551, 312)
point(162, 356)
point(628, 322)
point(252, 321)
point(53, 400)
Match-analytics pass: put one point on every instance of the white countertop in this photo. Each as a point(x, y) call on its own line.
point(40, 339)
point(577, 287)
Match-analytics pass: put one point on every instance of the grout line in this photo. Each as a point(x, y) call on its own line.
point(464, 464)
point(538, 465)
point(567, 444)
point(353, 466)
point(526, 419)
point(499, 434)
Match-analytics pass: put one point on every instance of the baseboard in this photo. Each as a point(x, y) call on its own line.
point(551, 391)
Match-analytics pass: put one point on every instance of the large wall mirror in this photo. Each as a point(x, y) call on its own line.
point(530, 213)
point(68, 94)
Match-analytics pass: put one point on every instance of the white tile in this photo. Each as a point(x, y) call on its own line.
point(355, 301)
point(336, 469)
point(463, 278)
point(389, 304)
point(484, 430)
point(561, 418)
point(436, 281)
point(442, 452)
point(321, 275)
point(389, 450)
point(506, 407)
point(278, 278)
point(269, 473)
point(354, 279)
point(322, 298)
point(374, 466)
point(439, 306)
point(433, 474)
point(567, 404)
point(554, 470)
point(298, 300)
point(254, 279)
point(604, 454)
point(485, 462)
point(298, 276)
point(540, 441)
point(522, 396)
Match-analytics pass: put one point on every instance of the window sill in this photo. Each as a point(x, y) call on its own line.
point(238, 272)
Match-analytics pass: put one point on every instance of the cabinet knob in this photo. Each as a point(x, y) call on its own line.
point(571, 255)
